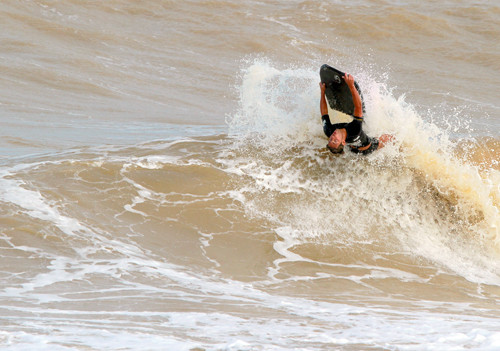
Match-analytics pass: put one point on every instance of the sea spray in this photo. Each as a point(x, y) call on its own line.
point(414, 195)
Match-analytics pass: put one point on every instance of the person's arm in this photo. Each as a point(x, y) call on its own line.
point(356, 99)
point(322, 103)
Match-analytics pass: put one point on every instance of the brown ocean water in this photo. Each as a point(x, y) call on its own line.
point(164, 183)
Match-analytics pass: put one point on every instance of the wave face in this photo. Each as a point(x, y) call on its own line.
point(186, 240)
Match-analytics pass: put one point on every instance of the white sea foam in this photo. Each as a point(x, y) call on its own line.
point(303, 321)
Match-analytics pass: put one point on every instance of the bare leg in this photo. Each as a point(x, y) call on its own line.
point(384, 139)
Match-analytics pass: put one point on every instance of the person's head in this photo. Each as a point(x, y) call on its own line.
point(339, 150)
point(337, 141)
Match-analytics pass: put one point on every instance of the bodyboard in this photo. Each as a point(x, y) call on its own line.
point(337, 91)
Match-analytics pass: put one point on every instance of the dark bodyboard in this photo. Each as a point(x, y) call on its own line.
point(337, 92)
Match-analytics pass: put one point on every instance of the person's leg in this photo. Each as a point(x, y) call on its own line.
point(384, 139)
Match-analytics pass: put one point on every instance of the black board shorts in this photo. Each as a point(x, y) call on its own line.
point(373, 147)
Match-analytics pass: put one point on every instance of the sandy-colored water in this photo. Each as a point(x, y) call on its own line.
point(164, 183)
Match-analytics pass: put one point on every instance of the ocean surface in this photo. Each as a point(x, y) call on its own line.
point(164, 181)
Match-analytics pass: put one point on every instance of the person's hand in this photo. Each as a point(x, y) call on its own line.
point(349, 79)
point(322, 86)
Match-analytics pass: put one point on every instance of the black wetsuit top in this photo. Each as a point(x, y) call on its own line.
point(355, 138)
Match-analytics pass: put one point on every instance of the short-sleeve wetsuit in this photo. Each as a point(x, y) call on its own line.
point(355, 138)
